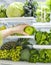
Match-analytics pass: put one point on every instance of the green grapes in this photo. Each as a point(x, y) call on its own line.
point(12, 54)
point(15, 53)
point(4, 54)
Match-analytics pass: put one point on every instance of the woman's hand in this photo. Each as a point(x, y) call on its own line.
point(20, 29)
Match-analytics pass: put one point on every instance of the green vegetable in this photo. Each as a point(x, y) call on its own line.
point(45, 55)
point(25, 54)
point(38, 36)
point(49, 38)
point(2, 11)
point(43, 14)
point(29, 30)
point(48, 3)
point(34, 56)
point(23, 42)
point(15, 9)
point(30, 55)
point(30, 8)
point(9, 45)
point(42, 38)
point(42, 56)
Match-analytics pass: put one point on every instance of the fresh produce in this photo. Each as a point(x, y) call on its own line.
point(30, 8)
point(49, 38)
point(15, 53)
point(45, 55)
point(25, 54)
point(43, 14)
point(15, 9)
point(42, 56)
point(30, 55)
point(8, 45)
point(29, 30)
point(4, 54)
point(34, 56)
point(2, 27)
point(43, 38)
point(2, 11)
point(12, 54)
point(14, 44)
point(48, 3)
point(22, 41)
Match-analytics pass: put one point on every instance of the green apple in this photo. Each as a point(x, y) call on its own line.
point(29, 30)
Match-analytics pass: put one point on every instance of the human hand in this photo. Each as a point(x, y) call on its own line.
point(20, 29)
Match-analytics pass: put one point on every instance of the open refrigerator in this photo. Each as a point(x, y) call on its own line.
point(43, 49)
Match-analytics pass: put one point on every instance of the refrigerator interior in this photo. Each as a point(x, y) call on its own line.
point(10, 22)
point(42, 27)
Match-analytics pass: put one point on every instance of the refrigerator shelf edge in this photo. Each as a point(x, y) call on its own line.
point(17, 18)
point(42, 46)
point(9, 37)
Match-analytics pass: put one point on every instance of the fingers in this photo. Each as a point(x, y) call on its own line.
point(20, 29)
point(23, 25)
point(25, 34)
